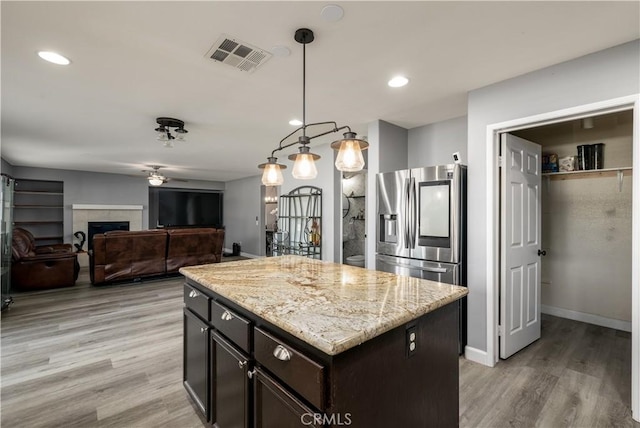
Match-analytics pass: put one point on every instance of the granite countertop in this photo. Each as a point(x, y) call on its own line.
point(330, 306)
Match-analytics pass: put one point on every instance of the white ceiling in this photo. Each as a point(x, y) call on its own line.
point(135, 61)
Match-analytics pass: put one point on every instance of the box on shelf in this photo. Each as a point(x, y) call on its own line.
point(567, 163)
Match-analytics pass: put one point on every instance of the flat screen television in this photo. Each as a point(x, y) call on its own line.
point(183, 208)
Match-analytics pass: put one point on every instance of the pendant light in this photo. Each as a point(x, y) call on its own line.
point(350, 148)
point(304, 166)
point(272, 175)
point(349, 157)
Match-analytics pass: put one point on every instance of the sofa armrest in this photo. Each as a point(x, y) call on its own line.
point(55, 248)
point(48, 256)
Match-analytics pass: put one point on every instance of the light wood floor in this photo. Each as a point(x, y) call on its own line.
point(112, 357)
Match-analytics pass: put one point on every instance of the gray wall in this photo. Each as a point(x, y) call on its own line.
point(242, 205)
point(388, 151)
point(597, 77)
point(434, 144)
point(393, 150)
point(81, 187)
point(6, 167)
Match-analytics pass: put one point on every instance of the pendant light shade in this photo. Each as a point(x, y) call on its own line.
point(304, 167)
point(272, 175)
point(349, 157)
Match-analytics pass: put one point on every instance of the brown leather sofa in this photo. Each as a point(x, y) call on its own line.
point(190, 247)
point(44, 266)
point(134, 255)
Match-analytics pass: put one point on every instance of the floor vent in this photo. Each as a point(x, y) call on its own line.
point(238, 54)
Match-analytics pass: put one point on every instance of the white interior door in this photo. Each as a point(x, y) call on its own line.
point(520, 244)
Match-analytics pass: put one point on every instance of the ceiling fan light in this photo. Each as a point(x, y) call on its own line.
point(155, 181)
point(180, 134)
point(162, 136)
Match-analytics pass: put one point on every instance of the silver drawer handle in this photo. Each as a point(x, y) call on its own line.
point(241, 364)
point(226, 316)
point(203, 329)
point(193, 293)
point(282, 353)
point(251, 373)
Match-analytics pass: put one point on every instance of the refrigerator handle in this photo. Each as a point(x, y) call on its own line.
point(412, 207)
point(406, 226)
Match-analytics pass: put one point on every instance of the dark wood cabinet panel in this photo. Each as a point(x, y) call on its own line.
point(196, 361)
point(275, 407)
point(302, 374)
point(230, 385)
point(233, 326)
point(396, 388)
point(197, 302)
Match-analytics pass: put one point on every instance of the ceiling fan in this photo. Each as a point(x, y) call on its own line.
point(156, 178)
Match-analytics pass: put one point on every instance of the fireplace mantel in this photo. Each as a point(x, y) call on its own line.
point(105, 207)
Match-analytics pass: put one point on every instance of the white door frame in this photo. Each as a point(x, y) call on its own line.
point(493, 229)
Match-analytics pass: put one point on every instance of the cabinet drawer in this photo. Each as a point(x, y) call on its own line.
point(303, 375)
point(196, 301)
point(233, 326)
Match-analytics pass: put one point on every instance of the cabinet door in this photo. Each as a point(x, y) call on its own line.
point(196, 360)
point(277, 408)
point(230, 385)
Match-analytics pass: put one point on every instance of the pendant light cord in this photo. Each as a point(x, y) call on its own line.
point(304, 88)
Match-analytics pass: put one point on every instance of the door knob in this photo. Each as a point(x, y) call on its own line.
point(542, 252)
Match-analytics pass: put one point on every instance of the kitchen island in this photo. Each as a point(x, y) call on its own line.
point(290, 341)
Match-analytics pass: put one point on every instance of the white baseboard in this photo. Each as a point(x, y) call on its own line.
point(251, 256)
point(588, 318)
point(477, 356)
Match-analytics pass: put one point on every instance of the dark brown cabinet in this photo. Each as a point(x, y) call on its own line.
point(230, 384)
point(245, 372)
point(275, 407)
point(196, 361)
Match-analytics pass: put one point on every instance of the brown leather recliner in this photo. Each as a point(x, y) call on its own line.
point(44, 266)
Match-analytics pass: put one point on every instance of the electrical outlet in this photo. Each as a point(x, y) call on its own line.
point(412, 340)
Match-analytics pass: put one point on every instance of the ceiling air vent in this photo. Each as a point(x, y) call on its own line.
point(238, 54)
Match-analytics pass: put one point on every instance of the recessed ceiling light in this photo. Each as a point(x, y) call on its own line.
point(295, 122)
point(332, 13)
point(53, 57)
point(398, 81)
point(281, 51)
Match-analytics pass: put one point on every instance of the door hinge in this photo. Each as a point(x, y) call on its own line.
point(500, 330)
point(500, 162)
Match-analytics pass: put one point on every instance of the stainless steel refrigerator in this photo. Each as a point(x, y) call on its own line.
point(421, 225)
